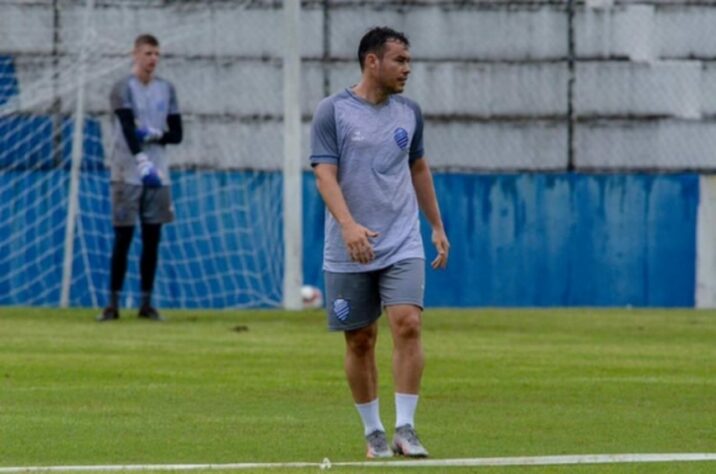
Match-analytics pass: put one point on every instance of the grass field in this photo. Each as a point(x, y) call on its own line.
point(268, 386)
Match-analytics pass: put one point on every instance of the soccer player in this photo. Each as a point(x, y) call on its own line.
point(147, 118)
point(368, 158)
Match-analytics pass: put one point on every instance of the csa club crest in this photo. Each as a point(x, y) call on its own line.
point(341, 308)
point(401, 138)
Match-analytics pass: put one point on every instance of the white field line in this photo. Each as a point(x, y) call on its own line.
point(327, 464)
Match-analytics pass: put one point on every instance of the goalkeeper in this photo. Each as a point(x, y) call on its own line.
point(147, 118)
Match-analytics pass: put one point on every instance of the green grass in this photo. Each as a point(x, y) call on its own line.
point(497, 383)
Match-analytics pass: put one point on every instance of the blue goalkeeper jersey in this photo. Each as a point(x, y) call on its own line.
point(151, 104)
point(372, 146)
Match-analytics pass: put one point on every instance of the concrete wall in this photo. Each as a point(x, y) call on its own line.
point(492, 76)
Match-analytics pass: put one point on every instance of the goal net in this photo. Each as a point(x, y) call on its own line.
point(226, 246)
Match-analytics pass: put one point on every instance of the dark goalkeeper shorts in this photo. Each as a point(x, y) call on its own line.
point(132, 202)
point(356, 300)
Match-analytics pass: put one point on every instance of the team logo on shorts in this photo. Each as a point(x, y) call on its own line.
point(341, 308)
point(401, 138)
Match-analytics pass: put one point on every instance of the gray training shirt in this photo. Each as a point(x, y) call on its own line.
point(151, 104)
point(372, 145)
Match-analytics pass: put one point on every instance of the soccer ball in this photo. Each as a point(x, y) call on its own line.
point(311, 296)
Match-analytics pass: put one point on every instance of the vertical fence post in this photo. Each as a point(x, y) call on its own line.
point(571, 59)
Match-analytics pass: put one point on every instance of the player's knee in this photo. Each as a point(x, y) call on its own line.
point(408, 327)
point(360, 342)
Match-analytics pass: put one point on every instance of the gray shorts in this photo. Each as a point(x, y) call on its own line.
point(131, 202)
point(356, 300)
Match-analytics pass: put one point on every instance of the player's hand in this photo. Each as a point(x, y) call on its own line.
point(442, 245)
point(357, 239)
point(148, 134)
point(147, 171)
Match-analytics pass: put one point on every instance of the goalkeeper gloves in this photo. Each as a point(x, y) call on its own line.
point(147, 171)
point(148, 134)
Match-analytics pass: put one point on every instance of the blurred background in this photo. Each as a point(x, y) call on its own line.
point(571, 143)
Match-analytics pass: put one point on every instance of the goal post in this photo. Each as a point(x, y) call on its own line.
point(75, 161)
point(292, 189)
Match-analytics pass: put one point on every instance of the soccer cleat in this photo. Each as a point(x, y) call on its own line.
point(110, 313)
point(377, 445)
point(150, 312)
point(406, 443)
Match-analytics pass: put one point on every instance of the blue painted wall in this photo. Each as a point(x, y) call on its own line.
point(517, 240)
point(26, 143)
point(568, 240)
point(9, 86)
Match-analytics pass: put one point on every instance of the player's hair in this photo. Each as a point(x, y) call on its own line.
point(146, 38)
point(374, 42)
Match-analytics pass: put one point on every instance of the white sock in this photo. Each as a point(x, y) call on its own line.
point(370, 414)
point(405, 405)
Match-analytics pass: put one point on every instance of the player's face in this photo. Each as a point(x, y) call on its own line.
point(394, 67)
point(146, 58)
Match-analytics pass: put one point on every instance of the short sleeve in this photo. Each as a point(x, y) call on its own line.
point(120, 98)
point(324, 142)
point(417, 149)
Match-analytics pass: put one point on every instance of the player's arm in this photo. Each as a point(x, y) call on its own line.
point(325, 156)
point(126, 122)
point(356, 237)
point(428, 202)
point(172, 136)
point(175, 131)
point(425, 190)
